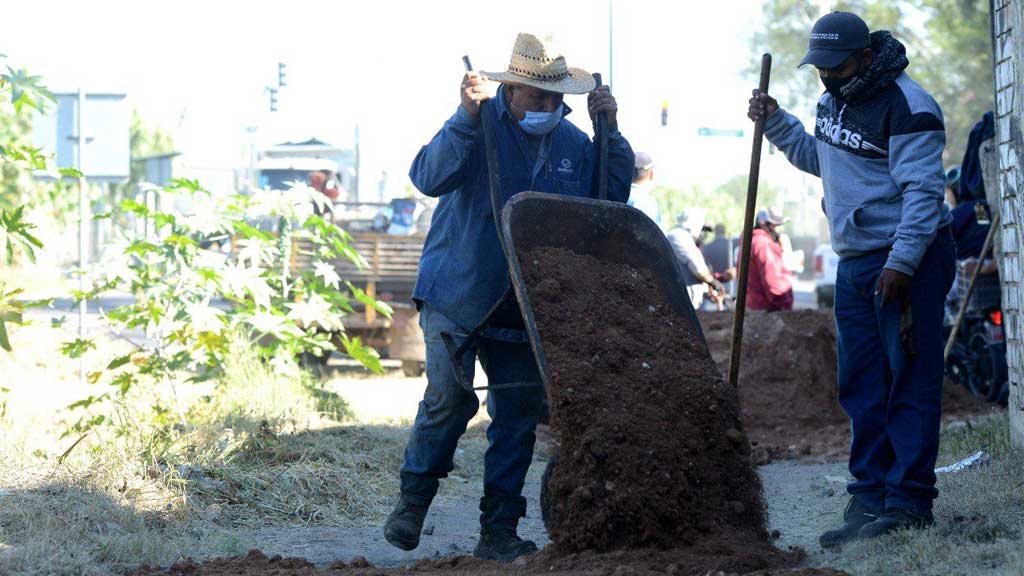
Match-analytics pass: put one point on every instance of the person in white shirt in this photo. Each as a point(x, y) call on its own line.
point(683, 239)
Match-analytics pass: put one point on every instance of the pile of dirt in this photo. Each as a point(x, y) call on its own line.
point(787, 383)
point(651, 452)
point(624, 563)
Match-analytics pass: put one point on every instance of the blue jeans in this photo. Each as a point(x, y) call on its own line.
point(447, 408)
point(892, 390)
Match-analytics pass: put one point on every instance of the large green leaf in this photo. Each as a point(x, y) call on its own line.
point(5, 342)
point(26, 90)
point(364, 355)
point(77, 348)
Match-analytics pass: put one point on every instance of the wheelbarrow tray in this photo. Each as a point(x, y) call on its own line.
point(609, 231)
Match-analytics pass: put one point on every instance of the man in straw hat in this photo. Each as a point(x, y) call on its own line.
point(877, 147)
point(463, 272)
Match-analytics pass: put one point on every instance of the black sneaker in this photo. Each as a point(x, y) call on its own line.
point(402, 530)
point(895, 519)
point(503, 545)
point(855, 517)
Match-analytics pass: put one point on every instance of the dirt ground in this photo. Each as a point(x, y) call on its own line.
point(787, 383)
point(636, 562)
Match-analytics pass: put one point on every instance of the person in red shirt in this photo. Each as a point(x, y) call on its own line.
point(769, 283)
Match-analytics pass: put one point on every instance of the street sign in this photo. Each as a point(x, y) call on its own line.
point(107, 121)
point(720, 132)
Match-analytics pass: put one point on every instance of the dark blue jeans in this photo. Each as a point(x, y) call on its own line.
point(447, 408)
point(890, 387)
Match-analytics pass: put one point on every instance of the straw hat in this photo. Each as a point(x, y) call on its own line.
point(537, 63)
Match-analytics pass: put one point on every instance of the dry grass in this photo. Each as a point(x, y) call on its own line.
point(255, 449)
point(279, 451)
point(979, 516)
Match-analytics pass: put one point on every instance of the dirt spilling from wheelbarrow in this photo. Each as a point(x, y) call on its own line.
point(787, 383)
point(651, 449)
point(731, 561)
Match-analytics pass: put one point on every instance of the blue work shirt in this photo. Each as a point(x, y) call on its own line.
point(463, 271)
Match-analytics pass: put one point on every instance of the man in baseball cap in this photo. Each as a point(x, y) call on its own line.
point(834, 38)
point(877, 146)
point(641, 193)
point(769, 284)
point(771, 215)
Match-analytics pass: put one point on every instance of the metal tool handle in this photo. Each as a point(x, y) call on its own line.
point(748, 230)
point(602, 143)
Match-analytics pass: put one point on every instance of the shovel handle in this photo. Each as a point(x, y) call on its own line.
point(602, 142)
point(748, 230)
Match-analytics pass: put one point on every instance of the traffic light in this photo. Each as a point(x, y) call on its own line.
point(273, 99)
point(664, 113)
point(280, 75)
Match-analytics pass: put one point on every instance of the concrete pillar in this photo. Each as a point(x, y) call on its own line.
point(1008, 50)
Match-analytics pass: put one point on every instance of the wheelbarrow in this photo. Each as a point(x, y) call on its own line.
point(610, 231)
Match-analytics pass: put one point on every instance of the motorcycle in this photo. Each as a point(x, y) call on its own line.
point(977, 360)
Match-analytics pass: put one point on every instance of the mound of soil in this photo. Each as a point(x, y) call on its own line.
point(631, 563)
point(651, 449)
point(787, 383)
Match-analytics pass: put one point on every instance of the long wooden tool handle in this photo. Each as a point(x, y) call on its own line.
point(965, 299)
point(602, 143)
point(748, 230)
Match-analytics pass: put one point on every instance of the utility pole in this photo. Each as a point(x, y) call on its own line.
point(355, 181)
point(83, 229)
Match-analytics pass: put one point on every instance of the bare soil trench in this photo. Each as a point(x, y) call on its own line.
point(787, 384)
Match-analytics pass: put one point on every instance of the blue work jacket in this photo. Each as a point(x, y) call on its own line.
point(463, 271)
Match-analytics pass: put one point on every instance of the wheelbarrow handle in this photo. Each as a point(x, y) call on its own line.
point(493, 168)
point(601, 128)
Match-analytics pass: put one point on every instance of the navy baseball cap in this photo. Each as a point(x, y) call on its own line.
point(834, 37)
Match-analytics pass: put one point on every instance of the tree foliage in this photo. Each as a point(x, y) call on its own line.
point(20, 93)
point(195, 300)
point(957, 65)
point(951, 57)
point(146, 140)
point(724, 205)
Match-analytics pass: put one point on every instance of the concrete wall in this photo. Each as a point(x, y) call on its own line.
point(1008, 49)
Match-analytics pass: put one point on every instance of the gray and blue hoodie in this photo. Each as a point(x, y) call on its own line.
point(878, 152)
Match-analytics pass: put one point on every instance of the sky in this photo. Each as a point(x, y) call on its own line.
point(198, 69)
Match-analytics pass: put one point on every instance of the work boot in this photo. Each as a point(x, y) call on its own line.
point(498, 521)
point(402, 530)
point(503, 545)
point(894, 519)
point(855, 517)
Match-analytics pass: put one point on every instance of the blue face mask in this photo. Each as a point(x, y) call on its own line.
point(540, 123)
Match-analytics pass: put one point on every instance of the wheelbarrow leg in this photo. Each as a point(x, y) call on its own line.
point(457, 352)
